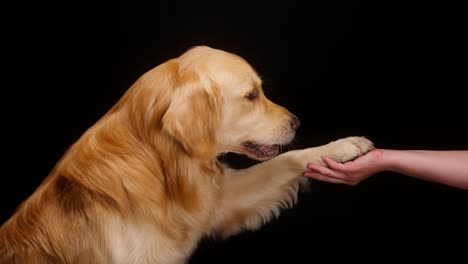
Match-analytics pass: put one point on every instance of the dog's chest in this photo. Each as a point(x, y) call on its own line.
point(146, 244)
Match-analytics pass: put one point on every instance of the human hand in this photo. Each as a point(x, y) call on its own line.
point(350, 173)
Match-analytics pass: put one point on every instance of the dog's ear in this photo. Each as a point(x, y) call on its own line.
point(177, 101)
point(193, 116)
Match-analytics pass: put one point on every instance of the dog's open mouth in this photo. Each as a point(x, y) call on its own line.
point(260, 151)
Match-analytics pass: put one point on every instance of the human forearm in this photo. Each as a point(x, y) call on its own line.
point(446, 167)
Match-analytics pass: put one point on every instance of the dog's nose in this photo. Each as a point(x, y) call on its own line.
point(295, 123)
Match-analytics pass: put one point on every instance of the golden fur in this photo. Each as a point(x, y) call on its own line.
point(143, 184)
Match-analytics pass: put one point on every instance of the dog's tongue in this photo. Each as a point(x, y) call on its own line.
point(266, 150)
point(262, 151)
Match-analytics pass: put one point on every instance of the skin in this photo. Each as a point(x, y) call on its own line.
point(444, 167)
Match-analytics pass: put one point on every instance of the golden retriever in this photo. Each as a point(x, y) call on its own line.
point(144, 185)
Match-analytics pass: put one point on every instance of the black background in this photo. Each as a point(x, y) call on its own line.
point(393, 71)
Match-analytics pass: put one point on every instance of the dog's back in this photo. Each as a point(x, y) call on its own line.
point(51, 227)
point(110, 199)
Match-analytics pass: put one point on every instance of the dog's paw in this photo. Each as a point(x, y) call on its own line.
point(350, 148)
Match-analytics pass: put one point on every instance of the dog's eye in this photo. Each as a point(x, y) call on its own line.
point(252, 96)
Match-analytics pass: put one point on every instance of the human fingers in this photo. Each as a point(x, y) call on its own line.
point(326, 171)
point(336, 166)
point(324, 178)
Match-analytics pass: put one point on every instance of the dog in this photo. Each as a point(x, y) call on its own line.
point(144, 184)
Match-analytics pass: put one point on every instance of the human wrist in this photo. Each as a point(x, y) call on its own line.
point(387, 160)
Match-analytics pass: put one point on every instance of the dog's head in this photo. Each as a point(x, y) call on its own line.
point(212, 102)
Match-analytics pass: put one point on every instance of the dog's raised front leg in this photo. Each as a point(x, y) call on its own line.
point(254, 195)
